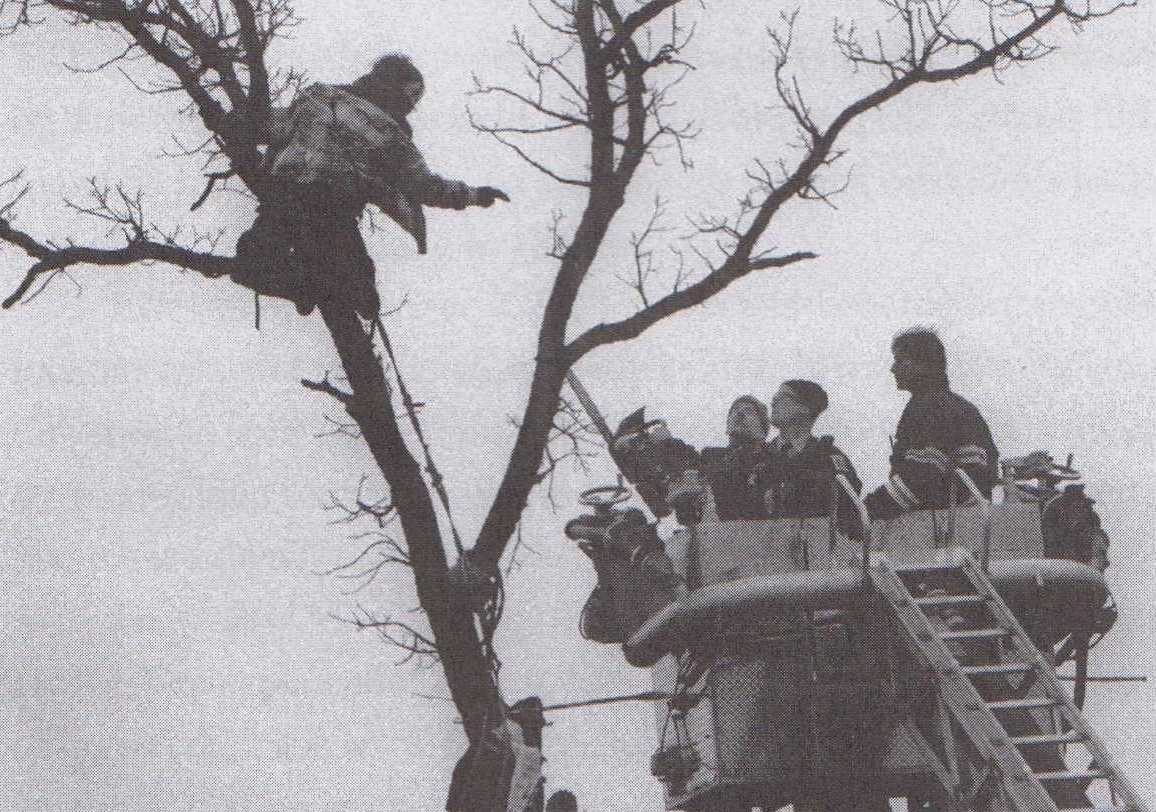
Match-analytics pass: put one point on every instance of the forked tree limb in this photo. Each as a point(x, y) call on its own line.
point(49, 258)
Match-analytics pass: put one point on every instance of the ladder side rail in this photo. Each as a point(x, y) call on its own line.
point(979, 724)
point(943, 722)
point(864, 522)
point(986, 506)
point(1051, 683)
point(947, 765)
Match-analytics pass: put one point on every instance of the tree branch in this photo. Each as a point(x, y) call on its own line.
point(699, 292)
point(206, 49)
point(415, 644)
point(50, 258)
point(325, 387)
point(638, 18)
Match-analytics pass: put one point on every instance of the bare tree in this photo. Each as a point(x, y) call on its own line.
point(607, 71)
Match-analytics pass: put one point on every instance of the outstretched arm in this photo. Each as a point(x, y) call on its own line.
point(416, 181)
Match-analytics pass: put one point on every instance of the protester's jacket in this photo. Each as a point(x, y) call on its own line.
point(334, 137)
point(799, 486)
point(938, 432)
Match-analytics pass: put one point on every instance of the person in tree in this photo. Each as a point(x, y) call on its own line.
point(798, 470)
point(336, 149)
point(938, 432)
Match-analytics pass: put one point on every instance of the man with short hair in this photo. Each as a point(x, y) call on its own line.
point(734, 472)
point(799, 469)
point(334, 150)
point(938, 432)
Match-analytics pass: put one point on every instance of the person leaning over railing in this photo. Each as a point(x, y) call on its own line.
point(790, 477)
point(733, 472)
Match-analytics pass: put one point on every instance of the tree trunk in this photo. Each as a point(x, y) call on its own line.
point(467, 669)
point(522, 470)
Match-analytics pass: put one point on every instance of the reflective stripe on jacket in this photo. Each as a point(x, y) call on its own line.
point(938, 432)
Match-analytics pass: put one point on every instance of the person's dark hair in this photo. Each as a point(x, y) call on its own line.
point(387, 76)
point(562, 801)
point(921, 344)
point(809, 393)
point(760, 407)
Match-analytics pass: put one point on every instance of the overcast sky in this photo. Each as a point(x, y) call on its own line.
point(167, 644)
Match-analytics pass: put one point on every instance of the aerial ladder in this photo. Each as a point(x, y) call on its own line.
point(1013, 719)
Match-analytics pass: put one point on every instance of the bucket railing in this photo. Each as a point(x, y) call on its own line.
point(864, 522)
point(960, 476)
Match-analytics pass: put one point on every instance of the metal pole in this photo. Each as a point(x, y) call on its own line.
point(969, 483)
point(864, 520)
point(595, 415)
point(590, 407)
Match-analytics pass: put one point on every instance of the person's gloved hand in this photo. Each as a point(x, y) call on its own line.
point(486, 195)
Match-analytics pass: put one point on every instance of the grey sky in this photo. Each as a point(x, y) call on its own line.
point(166, 645)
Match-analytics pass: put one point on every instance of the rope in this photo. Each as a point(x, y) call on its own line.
point(490, 615)
point(645, 696)
point(434, 474)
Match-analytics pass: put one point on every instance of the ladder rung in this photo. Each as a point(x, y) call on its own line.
point(1017, 704)
point(997, 668)
point(975, 634)
point(1047, 738)
point(950, 600)
point(1073, 775)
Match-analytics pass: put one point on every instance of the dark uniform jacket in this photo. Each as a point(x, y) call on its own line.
point(765, 481)
point(938, 432)
point(734, 477)
point(799, 486)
